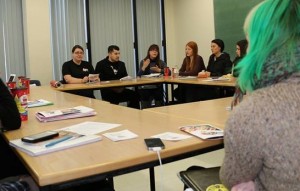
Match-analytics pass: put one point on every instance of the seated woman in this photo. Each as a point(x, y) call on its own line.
point(261, 137)
point(219, 62)
point(76, 71)
point(149, 65)
point(192, 64)
point(241, 49)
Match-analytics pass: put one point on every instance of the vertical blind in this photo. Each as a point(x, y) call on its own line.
point(68, 28)
point(111, 24)
point(12, 56)
point(149, 26)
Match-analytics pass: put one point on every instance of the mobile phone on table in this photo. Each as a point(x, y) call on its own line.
point(12, 78)
point(46, 135)
point(154, 144)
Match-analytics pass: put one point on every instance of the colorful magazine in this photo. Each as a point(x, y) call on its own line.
point(204, 131)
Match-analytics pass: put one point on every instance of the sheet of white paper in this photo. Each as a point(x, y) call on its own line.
point(120, 135)
point(169, 136)
point(90, 128)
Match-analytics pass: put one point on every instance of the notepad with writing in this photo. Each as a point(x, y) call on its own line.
point(66, 113)
point(203, 131)
point(40, 148)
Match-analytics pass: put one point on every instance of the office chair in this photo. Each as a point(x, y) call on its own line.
point(36, 82)
point(199, 178)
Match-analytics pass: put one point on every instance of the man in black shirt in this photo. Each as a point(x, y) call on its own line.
point(111, 68)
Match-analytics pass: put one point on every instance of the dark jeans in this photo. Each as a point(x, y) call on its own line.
point(148, 95)
point(126, 95)
point(192, 93)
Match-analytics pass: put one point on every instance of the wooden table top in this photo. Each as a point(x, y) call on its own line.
point(103, 156)
point(212, 111)
point(146, 81)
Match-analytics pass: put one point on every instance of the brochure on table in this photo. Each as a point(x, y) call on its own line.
point(203, 131)
point(38, 103)
point(66, 113)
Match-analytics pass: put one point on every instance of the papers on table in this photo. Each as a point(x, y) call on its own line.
point(67, 113)
point(169, 136)
point(120, 135)
point(126, 78)
point(38, 103)
point(186, 77)
point(216, 79)
point(152, 75)
point(35, 149)
point(82, 133)
point(90, 128)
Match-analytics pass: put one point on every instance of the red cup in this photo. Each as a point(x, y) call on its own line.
point(26, 83)
point(11, 85)
point(21, 98)
point(166, 71)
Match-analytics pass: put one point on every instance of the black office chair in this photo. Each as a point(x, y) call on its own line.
point(199, 178)
point(36, 82)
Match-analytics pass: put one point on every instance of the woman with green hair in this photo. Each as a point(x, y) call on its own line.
point(262, 134)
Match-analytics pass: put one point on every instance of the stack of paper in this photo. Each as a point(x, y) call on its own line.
point(68, 113)
point(38, 103)
point(35, 149)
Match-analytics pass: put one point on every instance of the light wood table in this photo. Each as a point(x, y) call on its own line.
point(112, 83)
point(214, 111)
point(201, 81)
point(103, 159)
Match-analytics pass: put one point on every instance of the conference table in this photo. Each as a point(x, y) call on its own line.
point(231, 82)
point(216, 111)
point(107, 159)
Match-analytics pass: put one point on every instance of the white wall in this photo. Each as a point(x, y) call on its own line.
point(37, 39)
point(188, 20)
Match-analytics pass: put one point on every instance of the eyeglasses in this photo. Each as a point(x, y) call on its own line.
point(78, 52)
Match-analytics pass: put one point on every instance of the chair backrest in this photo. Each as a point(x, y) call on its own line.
point(36, 82)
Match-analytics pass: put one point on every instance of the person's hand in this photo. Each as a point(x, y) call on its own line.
point(145, 64)
point(85, 79)
point(155, 69)
point(244, 186)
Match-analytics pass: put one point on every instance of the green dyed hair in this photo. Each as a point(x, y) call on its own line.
point(271, 26)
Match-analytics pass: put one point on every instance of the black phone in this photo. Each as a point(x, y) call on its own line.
point(12, 77)
point(153, 143)
point(40, 137)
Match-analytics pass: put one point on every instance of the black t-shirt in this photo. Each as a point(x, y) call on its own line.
point(219, 66)
point(111, 70)
point(77, 71)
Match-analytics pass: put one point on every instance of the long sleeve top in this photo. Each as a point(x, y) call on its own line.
point(198, 67)
point(14, 186)
point(262, 139)
point(218, 66)
point(9, 113)
point(148, 70)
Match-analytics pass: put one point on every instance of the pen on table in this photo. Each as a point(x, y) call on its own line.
point(59, 140)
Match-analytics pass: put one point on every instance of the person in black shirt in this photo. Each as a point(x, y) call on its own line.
point(241, 49)
point(111, 68)
point(219, 62)
point(76, 71)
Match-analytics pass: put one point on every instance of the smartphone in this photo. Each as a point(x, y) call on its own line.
point(40, 137)
point(152, 143)
point(12, 78)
